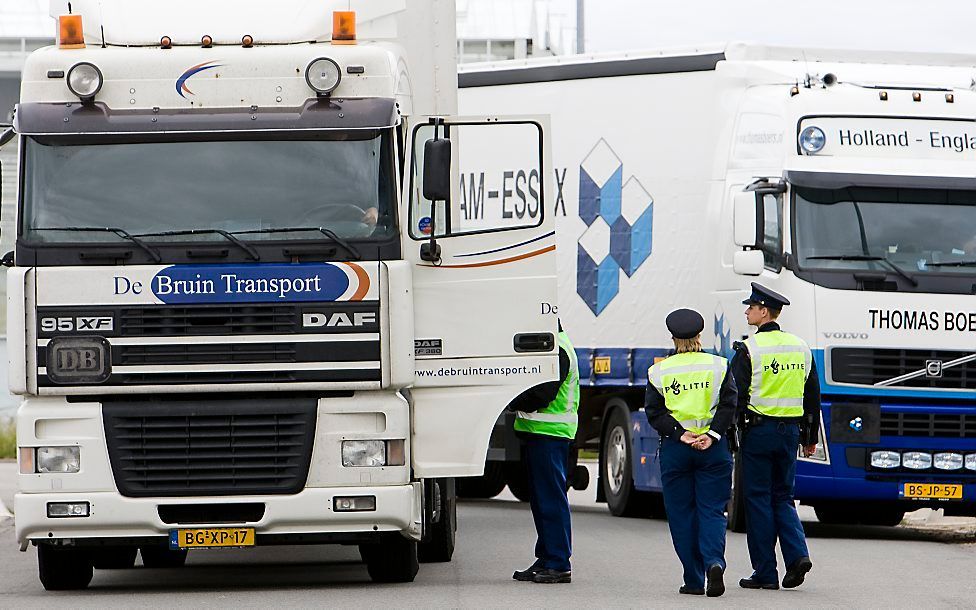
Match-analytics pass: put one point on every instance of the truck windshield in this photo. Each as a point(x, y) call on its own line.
point(916, 232)
point(338, 181)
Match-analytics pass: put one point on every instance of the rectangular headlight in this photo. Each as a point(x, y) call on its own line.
point(58, 459)
point(60, 510)
point(885, 459)
point(354, 504)
point(916, 460)
point(948, 461)
point(971, 461)
point(363, 453)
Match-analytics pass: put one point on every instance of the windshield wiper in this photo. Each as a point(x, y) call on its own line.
point(952, 264)
point(152, 252)
point(250, 251)
point(351, 249)
point(869, 258)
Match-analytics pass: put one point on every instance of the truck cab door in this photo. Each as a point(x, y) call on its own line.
point(483, 265)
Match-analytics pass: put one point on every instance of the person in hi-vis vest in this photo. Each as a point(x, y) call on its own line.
point(690, 401)
point(779, 394)
point(546, 423)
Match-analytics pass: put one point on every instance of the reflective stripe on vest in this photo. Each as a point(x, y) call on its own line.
point(691, 386)
point(780, 368)
point(559, 416)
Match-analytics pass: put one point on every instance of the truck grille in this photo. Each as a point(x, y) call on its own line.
point(191, 448)
point(208, 320)
point(930, 425)
point(866, 366)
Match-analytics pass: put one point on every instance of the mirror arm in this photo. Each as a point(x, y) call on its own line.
point(431, 251)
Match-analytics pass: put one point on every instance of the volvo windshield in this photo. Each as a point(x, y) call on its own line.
point(909, 235)
point(323, 186)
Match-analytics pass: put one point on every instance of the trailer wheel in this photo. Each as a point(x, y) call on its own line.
point(486, 486)
point(64, 569)
point(737, 503)
point(517, 480)
point(161, 557)
point(616, 469)
point(439, 547)
point(114, 557)
point(392, 559)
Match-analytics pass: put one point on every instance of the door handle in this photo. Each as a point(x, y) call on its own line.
point(534, 342)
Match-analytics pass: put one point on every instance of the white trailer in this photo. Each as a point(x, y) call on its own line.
point(843, 180)
point(245, 307)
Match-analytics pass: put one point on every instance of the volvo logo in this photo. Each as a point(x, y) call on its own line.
point(933, 369)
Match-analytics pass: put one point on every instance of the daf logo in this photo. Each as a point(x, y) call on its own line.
point(338, 319)
point(933, 368)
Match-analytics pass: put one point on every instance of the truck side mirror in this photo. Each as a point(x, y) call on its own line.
point(746, 219)
point(437, 170)
point(748, 262)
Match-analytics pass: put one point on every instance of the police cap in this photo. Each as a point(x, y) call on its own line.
point(685, 323)
point(766, 297)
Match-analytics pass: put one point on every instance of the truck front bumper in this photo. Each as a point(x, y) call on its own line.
point(308, 515)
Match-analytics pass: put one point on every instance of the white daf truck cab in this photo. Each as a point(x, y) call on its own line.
point(245, 307)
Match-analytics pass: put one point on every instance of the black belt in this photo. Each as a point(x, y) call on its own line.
point(755, 419)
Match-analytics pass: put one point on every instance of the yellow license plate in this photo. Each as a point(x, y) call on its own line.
point(935, 491)
point(211, 538)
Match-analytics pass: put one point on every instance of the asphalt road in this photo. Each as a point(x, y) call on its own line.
point(624, 562)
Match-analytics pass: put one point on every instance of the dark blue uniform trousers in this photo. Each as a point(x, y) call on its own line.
point(697, 486)
point(768, 469)
point(546, 459)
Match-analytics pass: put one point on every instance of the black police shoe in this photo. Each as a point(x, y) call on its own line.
point(686, 590)
point(527, 574)
point(547, 576)
point(752, 583)
point(716, 584)
point(796, 572)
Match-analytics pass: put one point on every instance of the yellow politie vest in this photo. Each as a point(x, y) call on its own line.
point(780, 367)
point(690, 385)
point(559, 417)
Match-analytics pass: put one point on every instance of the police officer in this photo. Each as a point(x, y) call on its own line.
point(690, 401)
point(546, 422)
point(780, 396)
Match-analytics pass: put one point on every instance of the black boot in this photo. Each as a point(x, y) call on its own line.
point(796, 572)
point(547, 576)
point(752, 583)
point(716, 584)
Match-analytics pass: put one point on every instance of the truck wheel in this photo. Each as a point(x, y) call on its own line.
point(737, 503)
point(487, 485)
point(616, 469)
point(392, 559)
point(517, 480)
point(162, 557)
point(114, 557)
point(440, 547)
point(63, 569)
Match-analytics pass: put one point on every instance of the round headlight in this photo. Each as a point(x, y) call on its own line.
point(84, 80)
point(323, 75)
point(948, 461)
point(812, 140)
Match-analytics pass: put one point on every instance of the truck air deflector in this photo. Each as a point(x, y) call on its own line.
point(834, 180)
point(96, 118)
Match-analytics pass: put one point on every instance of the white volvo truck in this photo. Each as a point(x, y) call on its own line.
point(244, 306)
point(845, 180)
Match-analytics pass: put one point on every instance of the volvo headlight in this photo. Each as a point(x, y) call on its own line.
point(323, 75)
point(363, 453)
point(812, 140)
point(84, 80)
point(948, 461)
point(885, 459)
point(58, 459)
point(916, 460)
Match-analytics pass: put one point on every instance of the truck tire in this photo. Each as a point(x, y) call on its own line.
point(114, 557)
point(392, 559)
point(439, 548)
point(517, 480)
point(486, 486)
point(737, 503)
point(616, 469)
point(64, 569)
point(162, 557)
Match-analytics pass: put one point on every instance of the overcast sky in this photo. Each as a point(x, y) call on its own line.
point(904, 25)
